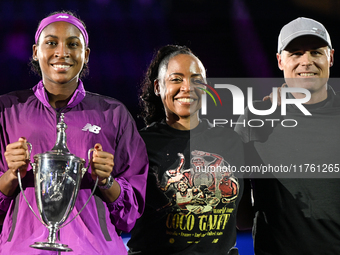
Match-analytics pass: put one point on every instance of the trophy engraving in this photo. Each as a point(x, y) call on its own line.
point(57, 177)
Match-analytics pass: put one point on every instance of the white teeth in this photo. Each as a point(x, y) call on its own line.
point(307, 74)
point(61, 66)
point(186, 100)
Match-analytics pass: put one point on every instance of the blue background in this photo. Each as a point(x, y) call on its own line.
point(233, 38)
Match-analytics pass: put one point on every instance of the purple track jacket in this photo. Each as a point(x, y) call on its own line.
point(91, 119)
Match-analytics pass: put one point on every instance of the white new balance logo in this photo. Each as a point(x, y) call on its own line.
point(92, 128)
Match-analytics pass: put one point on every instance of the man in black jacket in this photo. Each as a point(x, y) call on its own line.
point(297, 202)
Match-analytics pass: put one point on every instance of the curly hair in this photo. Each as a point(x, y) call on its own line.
point(151, 104)
point(34, 64)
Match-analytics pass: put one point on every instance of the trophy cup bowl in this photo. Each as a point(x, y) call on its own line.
point(57, 177)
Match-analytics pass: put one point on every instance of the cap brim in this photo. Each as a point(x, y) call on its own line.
point(299, 34)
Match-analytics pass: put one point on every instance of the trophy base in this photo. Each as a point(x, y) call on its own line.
point(51, 246)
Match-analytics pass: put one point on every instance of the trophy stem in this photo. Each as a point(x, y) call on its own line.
point(52, 236)
point(51, 242)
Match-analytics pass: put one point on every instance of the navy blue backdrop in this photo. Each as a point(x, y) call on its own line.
point(233, 38)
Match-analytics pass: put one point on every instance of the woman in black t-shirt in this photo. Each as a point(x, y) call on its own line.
point(192, 196)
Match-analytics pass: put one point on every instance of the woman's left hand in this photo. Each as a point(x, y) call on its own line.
point(101, 164)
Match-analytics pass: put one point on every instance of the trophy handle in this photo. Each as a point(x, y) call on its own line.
point(84, 170)
point(94, 188)
point(20, 184)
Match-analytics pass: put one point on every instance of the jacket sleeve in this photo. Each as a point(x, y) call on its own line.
point(5, 201)
point(130, 171)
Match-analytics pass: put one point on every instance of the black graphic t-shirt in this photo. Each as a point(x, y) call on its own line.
point(192, 195)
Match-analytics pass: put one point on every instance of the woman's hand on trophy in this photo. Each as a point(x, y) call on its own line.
point(16, 155)
point(101, 164)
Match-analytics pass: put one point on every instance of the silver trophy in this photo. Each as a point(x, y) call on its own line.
point(57, 177)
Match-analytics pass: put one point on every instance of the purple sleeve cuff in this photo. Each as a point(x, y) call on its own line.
point(123, 210)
